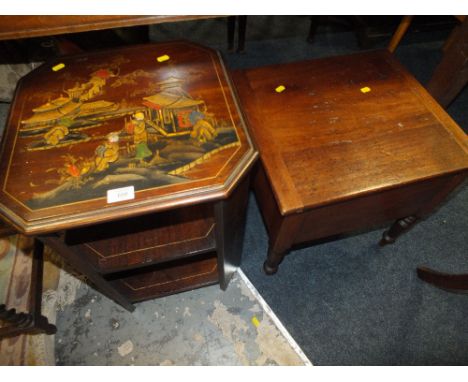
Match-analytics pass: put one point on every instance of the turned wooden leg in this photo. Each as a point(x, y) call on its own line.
point(44, 326)
point(397, 229)
point(274, 259)
point(281, 242)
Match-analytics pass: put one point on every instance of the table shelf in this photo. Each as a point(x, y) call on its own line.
point(147, 240)
point(168, 278)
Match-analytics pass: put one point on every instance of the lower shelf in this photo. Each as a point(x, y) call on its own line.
point(168, 278)
point(146, 240)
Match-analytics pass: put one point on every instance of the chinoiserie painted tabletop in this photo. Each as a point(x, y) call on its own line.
point(102, 136)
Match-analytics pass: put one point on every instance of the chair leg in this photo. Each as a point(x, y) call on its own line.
point(231, 27)
point(399, 33)
point(398, 228)
point(314, 24)
point(241, 34)
point(33, 322)
point(361, 30)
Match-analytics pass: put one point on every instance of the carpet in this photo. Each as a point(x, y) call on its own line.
point(202, 327)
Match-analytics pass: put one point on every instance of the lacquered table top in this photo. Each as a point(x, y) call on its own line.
point(83, 130)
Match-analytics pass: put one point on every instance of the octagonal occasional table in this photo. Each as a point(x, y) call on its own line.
point(132, 164)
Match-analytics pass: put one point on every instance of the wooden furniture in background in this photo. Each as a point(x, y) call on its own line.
point(32, 322)
point(241, 22)
point(18, 27)
point(403, 28)
point(357, 23)
point(349, 143)
point(158, 118)
point(451, 74)
point(448, 79)
point(12, 27)
point(399, 33)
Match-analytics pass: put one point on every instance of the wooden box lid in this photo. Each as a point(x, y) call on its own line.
point(161, 118)
point(346, 126)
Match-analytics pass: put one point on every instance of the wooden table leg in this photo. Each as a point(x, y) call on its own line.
point(231, 28)
point(451, 75)
point(397, 229)
point(71, 253)
point(403, 225)
point(230, 217)
point(35, 295)
point(449, 282)
point(314, 24)
point(281, 242)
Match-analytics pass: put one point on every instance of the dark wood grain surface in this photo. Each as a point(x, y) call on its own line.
point(347, 144)
point(71, 136)
point(12, 27)
point(322, 139)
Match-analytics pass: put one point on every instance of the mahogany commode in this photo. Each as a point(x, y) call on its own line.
point(133, 165)
point(346, 143)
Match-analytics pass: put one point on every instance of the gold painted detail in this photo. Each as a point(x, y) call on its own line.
point(212, 270)
point(202, 159)
point(164, 133)
point(59, 144)
point(168, 129)
point(152, 247)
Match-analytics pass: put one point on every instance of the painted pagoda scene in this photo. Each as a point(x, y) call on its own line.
point(157, 140)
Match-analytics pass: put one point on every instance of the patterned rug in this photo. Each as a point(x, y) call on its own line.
point(206, 326)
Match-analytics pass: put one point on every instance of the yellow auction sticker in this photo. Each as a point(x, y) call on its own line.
point(365, 89)
point(280, 89)
point(255, 321)
point(163, 58)
point(58, 67)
